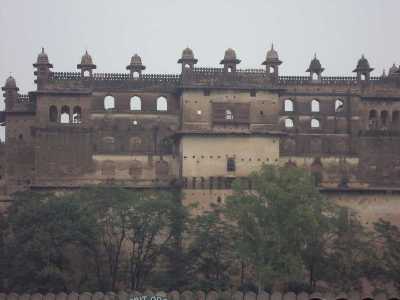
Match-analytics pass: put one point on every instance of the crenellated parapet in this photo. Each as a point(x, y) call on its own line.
point(215, 77)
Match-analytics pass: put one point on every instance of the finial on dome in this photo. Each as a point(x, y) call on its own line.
point(135, 66)
point(315, 68)
point(363, 66)
point(187, 59)
point(43, 59)
point(10, 84)
point(86, 66)
point(393, 69)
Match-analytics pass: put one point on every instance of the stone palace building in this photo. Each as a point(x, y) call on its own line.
point(201, 129)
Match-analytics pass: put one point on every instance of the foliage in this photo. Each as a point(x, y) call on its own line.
point(211, 251)
point(41, 228)
point(93, 239)
point(283, 234)
point(281, 218)
point(389, 241)
point(351, 252)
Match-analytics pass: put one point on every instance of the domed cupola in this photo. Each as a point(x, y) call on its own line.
point(43, 67)
point(187, 59)
point(315, 69)
point(393, 70)
point(363, 69)
point(86, 66)
point(136, 67)
point(230, 60)
point(10, 84)
point(272, 55)
point(43, 59)
point(272, 62)
point(10, 92)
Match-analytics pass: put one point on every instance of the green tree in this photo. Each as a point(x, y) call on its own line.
point(108, 206)
point(211, 251)
point(389, 242)
point(43, 231)
point(277, 223)
point(351, 252)
point(135, 229)
point(98, 238)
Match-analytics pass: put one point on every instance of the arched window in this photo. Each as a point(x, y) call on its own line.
point(162, 104)
point(109, 102)
point(339, 105)
point(289, 123)
point(228, 114)
point(373, 114)
point(395, 119)
point(288, 105)
point(272, 70)
point(77, 115)
point(53, 114)
point(372, 119)
point(315, 105)
point(136, 103)
point(384, 118)
point(315, 123)
point(65, 118)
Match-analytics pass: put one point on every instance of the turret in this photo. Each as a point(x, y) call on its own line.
point(363, 69)
point(86, 66)
point(230, 61)
point(393, 70)
point(10, 93)
point(315, 69)
point(136, 67)
point(187, 60)
point(272, 63)
point(43, 67)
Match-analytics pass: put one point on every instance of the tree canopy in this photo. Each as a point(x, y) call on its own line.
point(281, 234)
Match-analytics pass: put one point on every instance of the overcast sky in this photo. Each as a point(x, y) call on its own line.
point(339, 31)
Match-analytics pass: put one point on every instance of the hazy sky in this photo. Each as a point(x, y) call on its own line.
point(339, 31)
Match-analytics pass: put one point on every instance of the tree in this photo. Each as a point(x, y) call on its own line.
point(277, 222)
point(108, 206)
point(151, 225)
point(211, 250)
point(43, 231)
point(97, 238)
point(389, 240)
point(135, 229)
point(351, 252)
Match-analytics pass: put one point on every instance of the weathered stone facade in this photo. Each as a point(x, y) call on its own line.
point(202, 128)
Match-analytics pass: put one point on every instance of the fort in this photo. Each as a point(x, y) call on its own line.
point(203, 128)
